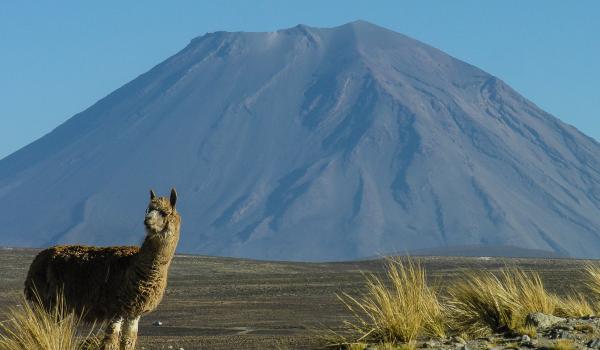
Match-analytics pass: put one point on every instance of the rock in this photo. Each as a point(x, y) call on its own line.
point(559, 334)
point(594, 343)
point(565, 327)
point(430, 344)
point(565, 335)
point(157, 323)
point(541, 320)
point(527, 342)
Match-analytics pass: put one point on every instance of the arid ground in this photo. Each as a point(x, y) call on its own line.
point(223, 303)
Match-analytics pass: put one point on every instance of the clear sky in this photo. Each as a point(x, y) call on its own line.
point(59, 57)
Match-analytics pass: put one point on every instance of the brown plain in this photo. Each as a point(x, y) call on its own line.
point(225, 303)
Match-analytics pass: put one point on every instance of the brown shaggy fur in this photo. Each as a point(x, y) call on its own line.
point(114, 284)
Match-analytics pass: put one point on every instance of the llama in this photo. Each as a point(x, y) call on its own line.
point(113, 284)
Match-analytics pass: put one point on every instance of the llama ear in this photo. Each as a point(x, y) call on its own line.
point(152, 194)
point(173, 197)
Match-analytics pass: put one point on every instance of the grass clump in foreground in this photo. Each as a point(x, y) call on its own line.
point(401, 307)
point(397, 309)
point(30, 327)
point(593, 282)
point(485, 302)
point(575, 305)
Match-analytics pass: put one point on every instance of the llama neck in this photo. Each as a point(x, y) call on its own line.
point(156, 252)
point(154, 257)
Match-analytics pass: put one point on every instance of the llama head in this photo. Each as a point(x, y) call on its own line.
point(162, 220)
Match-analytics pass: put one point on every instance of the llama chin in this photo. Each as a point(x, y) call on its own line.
point(111, 284)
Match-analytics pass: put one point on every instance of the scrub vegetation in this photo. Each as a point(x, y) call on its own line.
point(28, 326)
point(400, 307)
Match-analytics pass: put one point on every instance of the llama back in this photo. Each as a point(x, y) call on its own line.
point(86, 276)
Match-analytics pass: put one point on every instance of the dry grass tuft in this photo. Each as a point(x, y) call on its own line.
point(584, 328)
point(528, 330)
point(357, 346)
point(30, 327)
point(593, 283)
point(562, 344)
point(485, 302)
point(593, 274)
point(399, 309)
point(575, 305)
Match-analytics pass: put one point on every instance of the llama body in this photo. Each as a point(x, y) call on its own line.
point(114, 284)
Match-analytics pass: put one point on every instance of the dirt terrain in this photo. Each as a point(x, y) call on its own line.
point(224, 303)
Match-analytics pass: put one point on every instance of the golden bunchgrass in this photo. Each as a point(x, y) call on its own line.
point(28, 326)
point(401, 307)
point(575, 305)
point(592, 272)
point(396, 309)
point(593, 278)
point(484, 302)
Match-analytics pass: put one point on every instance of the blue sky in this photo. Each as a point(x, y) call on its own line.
point(59, 57)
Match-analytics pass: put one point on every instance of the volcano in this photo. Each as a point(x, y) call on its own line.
point(311, 144)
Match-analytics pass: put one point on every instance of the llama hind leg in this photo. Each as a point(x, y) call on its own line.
point(111, 336)
point(129, 334)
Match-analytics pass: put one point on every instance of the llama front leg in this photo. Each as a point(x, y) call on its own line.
point(129, 334)
point(111, 336)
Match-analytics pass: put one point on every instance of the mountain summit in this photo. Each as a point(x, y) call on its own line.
point(311, 144)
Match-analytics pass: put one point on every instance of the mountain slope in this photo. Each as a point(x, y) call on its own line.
point(311, 144)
